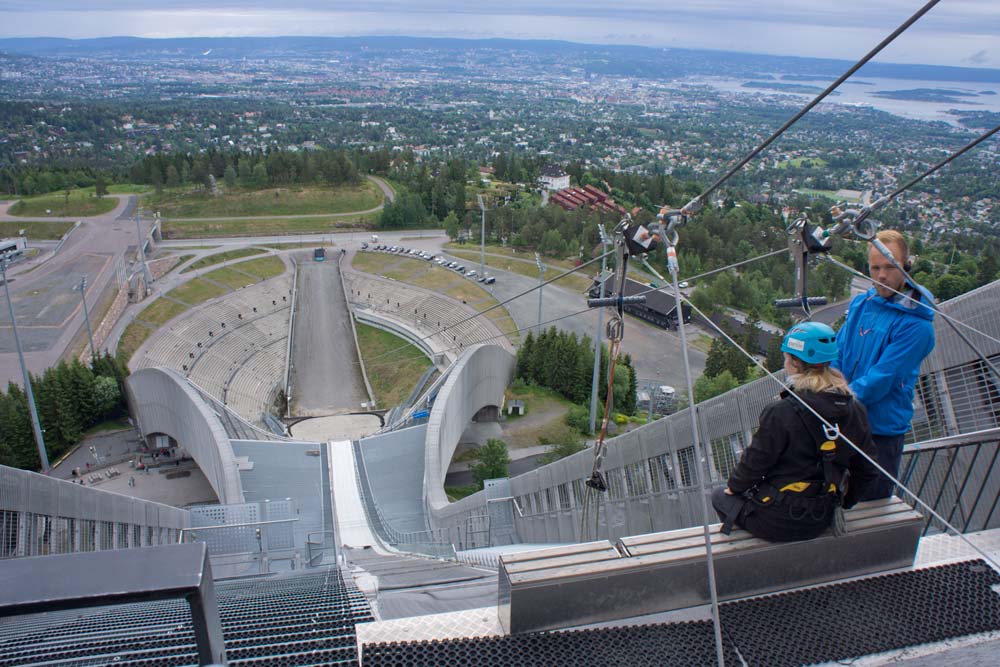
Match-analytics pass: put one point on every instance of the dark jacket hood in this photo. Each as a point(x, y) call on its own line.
point(830, 404)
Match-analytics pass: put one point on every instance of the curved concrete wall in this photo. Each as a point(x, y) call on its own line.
point(163, 402)
point(478, 378)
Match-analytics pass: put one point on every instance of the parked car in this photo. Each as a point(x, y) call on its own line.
point(490, 280)
point(471, 274)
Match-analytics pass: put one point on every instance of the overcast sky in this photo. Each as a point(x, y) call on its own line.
point(955, 32)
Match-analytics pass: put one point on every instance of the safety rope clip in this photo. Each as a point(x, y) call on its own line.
point(831, 432)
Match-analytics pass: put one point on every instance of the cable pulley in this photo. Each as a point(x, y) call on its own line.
point(804, 239)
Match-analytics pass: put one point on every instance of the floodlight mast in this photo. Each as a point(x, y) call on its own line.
point(35, 424)
point(602, 279)
point(482, 238)
point(86, 315)
point(541, 281)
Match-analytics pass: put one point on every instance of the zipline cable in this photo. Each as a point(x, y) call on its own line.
point(700, 455)
point(945, 316)
point(826, 423)
point(883, 201)
point(587, 310)
point(699, 201)
point(933, 306)
point(497, 305)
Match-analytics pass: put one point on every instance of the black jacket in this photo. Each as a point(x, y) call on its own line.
point(785, 447)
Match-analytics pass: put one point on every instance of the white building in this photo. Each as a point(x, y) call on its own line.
point(553, 178)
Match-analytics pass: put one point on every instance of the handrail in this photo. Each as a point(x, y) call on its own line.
point(972, 438)
point(193, 529)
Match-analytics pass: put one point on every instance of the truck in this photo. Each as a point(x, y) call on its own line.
point(319, 254)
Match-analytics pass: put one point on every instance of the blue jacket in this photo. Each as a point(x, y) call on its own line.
point(881, 346)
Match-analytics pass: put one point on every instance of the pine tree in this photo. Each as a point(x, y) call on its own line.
point(775, 357)
point(524, 357)
point(494, 460)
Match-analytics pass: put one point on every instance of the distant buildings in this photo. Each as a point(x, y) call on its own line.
point(552, 177)
point(588, 196)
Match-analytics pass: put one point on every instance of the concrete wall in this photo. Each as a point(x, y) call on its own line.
point(162, 401)
point(478, 378)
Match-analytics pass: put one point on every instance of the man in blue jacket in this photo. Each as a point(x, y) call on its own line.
point(888, 332)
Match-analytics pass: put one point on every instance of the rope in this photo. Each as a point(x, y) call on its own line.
point(701, 460)
point(698, 201)
point(827, 424)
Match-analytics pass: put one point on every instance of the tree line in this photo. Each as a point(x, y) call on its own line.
point(560, 361)
point(70, 398)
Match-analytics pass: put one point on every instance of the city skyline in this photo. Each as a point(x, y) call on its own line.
point(960, 33)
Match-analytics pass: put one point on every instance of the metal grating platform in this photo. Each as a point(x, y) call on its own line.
point(678, 644)
point(865, 616)
point(300, 619)
point(821, 624)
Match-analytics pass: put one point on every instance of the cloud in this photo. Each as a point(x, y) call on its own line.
point(842, 29)
point(979, 58)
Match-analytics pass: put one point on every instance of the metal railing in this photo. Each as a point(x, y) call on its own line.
point(957, 477)
point(42, 516)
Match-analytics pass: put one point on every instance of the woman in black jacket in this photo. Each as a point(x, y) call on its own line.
point(793, 476)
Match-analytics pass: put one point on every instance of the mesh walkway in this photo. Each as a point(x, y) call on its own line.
point(302, 619)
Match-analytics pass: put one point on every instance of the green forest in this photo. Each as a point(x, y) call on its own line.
point(71, 398)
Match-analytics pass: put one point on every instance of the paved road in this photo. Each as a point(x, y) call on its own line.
point(326, 377)
point(48, 311)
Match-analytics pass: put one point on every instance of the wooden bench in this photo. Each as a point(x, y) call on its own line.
point(597, 581)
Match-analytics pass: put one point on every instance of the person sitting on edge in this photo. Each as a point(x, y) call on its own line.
point(791, 479)
point(887, 333)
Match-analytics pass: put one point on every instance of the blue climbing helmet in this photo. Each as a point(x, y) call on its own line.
point(811, 342)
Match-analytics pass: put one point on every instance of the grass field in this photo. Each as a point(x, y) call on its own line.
point(134, 336)
point(161, 311)
point(80, 203)
point(43, 231)
point(231, 278)
point(269, 202)
point(392, 376)
point(443, 281)
point(263, 268)
point(221, 257)
point(197, 291)
point(193, 229)
point(128, 189)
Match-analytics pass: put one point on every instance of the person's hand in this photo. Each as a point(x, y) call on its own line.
point(729, 492)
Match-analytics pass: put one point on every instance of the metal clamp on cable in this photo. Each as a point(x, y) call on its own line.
point(797, 303)
point(804, 239)
point(612, 301)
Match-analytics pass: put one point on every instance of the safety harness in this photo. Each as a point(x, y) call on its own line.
point(809, 496)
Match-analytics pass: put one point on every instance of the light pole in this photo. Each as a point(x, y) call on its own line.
point(482, 238)
point(541, 279)
point(597, 337)
point(141, 255)
point(35, 424)
point(82, 287)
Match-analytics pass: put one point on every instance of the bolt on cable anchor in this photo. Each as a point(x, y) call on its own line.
point(804, 240)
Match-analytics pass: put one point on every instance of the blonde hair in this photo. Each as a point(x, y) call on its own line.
point(818, 378)
point(888, 236)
